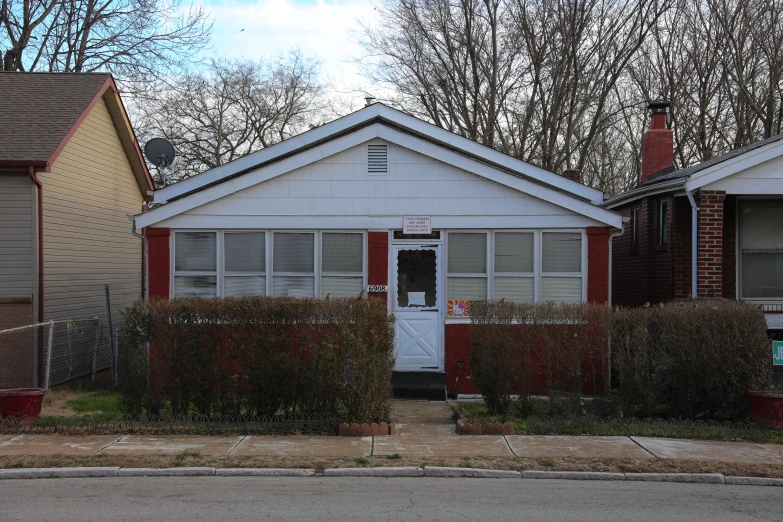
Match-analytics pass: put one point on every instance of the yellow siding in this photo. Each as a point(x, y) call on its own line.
point(87, 236)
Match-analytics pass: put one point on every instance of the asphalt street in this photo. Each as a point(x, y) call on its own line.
point(263, 498)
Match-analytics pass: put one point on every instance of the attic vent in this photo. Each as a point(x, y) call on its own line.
point(377, 158)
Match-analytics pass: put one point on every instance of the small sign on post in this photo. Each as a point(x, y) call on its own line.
point(777, 353)
point(417, 225)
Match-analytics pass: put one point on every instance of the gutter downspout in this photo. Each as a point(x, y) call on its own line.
point(613, 235)
point(38, 184)
point(694, 244)
point(145, 255)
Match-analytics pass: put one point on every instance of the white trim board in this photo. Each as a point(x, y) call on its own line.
point(364, 116)
point(377, 130)
point(734, 165)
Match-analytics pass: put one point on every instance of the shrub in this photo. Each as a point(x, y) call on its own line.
point(517, 348)
point(258, 356)
point(690, 359)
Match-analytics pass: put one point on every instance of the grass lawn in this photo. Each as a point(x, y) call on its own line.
point(477, 412)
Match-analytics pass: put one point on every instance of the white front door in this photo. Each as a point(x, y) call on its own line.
point(417, 308)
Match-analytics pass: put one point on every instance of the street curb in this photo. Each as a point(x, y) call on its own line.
point(33, 473)
point(693, 478)
point(264, 472)
point(437, 471)
point(753, 481)
point(572, 475)
point(166, 472)
point(403, 471)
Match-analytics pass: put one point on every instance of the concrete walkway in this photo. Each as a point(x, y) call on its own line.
point(424, 429)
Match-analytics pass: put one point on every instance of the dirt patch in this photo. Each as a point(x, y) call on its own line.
point(321, 463)
point(54, 402)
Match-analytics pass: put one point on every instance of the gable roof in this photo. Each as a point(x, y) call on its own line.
point(696, 176)
point(376, 121)
point(385, 115)
point(39, 112)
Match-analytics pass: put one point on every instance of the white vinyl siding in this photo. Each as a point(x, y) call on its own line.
point(467, 272)
point(17, 235)
point(526, 265)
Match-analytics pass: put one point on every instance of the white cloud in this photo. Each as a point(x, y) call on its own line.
point(320, 28)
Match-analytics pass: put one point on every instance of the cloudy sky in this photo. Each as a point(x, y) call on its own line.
point(321, 28)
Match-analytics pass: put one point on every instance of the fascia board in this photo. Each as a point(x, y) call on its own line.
point(494, 174)
point(726, 168)
point(490, 155)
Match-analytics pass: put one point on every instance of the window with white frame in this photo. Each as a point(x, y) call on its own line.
point(195, 264)
point(761, 240)
point(514, 277)
point(342, 264)
point(244, 263)
point(293, 259)
point(467, 266)
point(561, 267)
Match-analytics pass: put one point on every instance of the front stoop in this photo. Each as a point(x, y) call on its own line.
point(419, 385)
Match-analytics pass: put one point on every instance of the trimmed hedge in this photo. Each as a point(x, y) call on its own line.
point(689, 359)
point(258, 356)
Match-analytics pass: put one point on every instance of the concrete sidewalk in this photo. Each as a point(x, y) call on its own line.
point(424, 429)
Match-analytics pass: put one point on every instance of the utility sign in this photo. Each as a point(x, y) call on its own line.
point(416, 225)
point(777, 353)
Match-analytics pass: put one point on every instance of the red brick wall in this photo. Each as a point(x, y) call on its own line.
point(629, 264)
point(657, 152)
point(729, 279)
point(159, 262)
point(378, 261)
point(597, 264)
point(710, 272)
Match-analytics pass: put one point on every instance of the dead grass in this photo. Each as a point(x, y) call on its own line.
point(321, 463)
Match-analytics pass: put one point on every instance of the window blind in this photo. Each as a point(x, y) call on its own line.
point(467, 253)
point(293, 252)
point(562, 252)
point(195, 251)
point(513, 252)
point(561, 289)
point(244, 252)
point(342, 253)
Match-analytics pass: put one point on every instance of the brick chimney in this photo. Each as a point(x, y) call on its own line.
point(573, 175)
point(657, 143)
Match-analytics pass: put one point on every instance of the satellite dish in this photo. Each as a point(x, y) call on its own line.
point(160, 153)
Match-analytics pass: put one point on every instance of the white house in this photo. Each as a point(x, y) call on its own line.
point(382, 202)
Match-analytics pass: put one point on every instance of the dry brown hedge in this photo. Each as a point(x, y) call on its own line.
point(688, 359)
point(258, 356)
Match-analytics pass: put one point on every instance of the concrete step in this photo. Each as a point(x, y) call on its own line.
point(419, 385)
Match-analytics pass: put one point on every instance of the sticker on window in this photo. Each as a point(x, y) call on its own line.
point(459, 308)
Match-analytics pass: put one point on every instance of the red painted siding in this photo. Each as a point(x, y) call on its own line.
point(378, 261)
point(597, 264)
point(159, 262)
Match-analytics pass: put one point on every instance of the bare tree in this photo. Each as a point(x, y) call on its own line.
point(232, 108)
point(134, 39)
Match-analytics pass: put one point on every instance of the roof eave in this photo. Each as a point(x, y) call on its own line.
point(643, 191)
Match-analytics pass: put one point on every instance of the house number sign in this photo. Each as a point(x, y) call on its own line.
point(371, 289)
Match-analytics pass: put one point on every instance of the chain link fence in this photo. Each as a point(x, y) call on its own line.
point(45, 354)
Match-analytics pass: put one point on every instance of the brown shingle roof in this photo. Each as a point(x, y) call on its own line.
point(37, 110)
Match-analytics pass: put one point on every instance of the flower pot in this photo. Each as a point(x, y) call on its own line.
point(766, 409)
point(22, 404)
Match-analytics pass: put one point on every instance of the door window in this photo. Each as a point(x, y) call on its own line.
point(417, 278)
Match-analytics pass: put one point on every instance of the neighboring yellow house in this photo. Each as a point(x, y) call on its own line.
point(71, 172)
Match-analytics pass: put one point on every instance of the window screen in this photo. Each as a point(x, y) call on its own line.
point(245, 263)
point(514, 279)
point(342, 257)
point(293, 258)
point(467, 256)
point(195, 264)
point(761, 237)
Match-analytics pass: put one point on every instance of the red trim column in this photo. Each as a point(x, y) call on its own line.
point(159, 262)
point(598, 265)
point(378, 262)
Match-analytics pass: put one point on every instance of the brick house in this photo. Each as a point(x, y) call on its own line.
point(711, 230)
point(381, 203)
